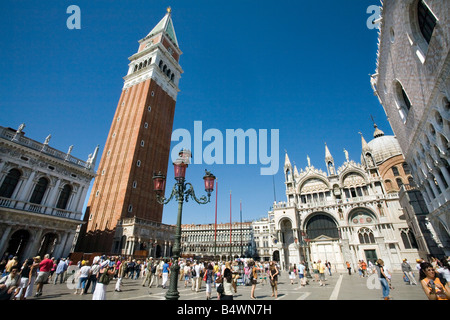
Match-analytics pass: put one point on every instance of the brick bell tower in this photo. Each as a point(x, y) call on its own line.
point(138, 142)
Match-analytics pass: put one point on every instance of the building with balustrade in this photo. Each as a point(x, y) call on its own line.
point(42, 193)
point(412, 83)
point(217, 240)
point(348, 213)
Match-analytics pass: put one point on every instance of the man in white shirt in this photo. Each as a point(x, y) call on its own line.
point(198, 279)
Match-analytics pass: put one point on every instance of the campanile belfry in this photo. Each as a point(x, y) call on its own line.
point(138, 143)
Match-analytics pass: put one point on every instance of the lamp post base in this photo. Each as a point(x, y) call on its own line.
point(173, 293)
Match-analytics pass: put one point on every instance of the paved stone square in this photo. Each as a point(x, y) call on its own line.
point(338, 287)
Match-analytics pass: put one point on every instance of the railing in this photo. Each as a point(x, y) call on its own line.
point(39, 209)
point(325, 203)
point(134, 220)
point(32, 144)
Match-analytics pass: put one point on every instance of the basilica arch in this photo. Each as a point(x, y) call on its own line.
point(323, 237)
point(288, 250)
point(361, 216)
point(313, 183)
point(321, 224)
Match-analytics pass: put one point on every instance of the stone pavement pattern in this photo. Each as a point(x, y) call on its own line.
point(338, 287)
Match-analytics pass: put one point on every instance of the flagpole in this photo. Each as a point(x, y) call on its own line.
point(231, 254)
point(215, 223)
point(242, 248)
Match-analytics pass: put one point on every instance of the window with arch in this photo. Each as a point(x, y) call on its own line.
point(403, 101)
point(406, 168)
point(321, 225)
point(366, 236)
point(436, 184)
point(406, 99)
point(426, 19)
point(288, 175)
point(10, 183)
point(64, 197)
point(361, 216)
point(395, 171)
point(409, 241)
point(39, 191)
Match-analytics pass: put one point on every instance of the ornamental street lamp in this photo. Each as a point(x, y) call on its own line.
point(181, 191)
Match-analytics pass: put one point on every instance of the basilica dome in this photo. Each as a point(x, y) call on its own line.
point(384, 147)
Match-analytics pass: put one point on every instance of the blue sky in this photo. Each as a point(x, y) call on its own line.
point(301, 67)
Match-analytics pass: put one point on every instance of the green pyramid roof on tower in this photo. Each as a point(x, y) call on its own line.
point(165, 25)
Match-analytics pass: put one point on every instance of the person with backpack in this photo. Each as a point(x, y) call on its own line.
point(154, 275)
point(104, 277)
point(148, 272)
point(187, 273)
point(193, 275)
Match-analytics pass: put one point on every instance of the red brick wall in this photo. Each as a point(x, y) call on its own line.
point(118, 165)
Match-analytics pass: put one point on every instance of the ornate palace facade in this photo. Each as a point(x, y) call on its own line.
point(412, 82)
point(42, 193)
point(347, 213)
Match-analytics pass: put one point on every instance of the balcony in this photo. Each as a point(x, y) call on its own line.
point(38, 209)
point(326, 203)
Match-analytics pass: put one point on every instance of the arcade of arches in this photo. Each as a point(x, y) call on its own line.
point(323, 237)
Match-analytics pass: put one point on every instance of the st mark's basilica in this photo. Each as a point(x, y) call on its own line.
point(348, 213)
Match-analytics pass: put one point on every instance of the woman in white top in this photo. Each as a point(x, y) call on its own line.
point(227, 285)
point(83, 274)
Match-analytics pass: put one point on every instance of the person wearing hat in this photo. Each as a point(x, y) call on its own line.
point(84, 274)
point(407, 271)
point(100, 287)
point(418, 262)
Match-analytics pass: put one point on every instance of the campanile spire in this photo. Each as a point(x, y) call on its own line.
point(138, 144)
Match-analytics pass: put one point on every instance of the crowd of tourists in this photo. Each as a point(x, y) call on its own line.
point(220, 278)
point(18, 279)
point(433, 276)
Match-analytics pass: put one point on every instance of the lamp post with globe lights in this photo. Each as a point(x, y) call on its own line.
point(182, 191)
